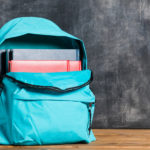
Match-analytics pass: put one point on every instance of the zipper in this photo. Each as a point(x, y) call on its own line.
point(90, 116)
point(51, 88)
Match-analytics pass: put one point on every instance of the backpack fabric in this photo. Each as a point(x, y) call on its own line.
point(44, 108)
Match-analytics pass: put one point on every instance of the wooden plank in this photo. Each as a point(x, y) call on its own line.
point(114, 139)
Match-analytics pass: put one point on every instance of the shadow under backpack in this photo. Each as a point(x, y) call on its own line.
point(44, 108)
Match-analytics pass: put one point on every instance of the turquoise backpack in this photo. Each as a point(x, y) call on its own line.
point(44, 108)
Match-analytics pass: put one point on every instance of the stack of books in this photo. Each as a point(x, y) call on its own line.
point(43, 60)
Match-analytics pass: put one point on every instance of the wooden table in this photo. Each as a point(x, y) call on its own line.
point(107, 139)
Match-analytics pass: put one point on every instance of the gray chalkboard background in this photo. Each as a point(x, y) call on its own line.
point(117, 38)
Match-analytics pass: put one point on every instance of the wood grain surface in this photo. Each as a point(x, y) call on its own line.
point(106, 139)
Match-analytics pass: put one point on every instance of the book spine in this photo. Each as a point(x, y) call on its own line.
point(68, 65)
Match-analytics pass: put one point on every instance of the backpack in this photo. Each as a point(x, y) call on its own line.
point(44, 108)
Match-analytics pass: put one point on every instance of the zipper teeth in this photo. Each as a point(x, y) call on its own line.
point(90, 124)
point(51, 88)
point(90, 116)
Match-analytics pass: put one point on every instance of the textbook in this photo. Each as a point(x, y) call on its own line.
point(44, 54)
point(44, 66)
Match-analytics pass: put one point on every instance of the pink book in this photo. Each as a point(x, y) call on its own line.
point(44, 66)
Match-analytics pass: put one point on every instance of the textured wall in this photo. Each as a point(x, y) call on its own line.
point(117, 37)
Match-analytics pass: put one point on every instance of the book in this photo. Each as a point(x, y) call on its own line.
point(44, 66)
point(44, 54)
point(2, 62)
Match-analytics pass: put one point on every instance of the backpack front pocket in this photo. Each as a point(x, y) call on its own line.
point(42, 114)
